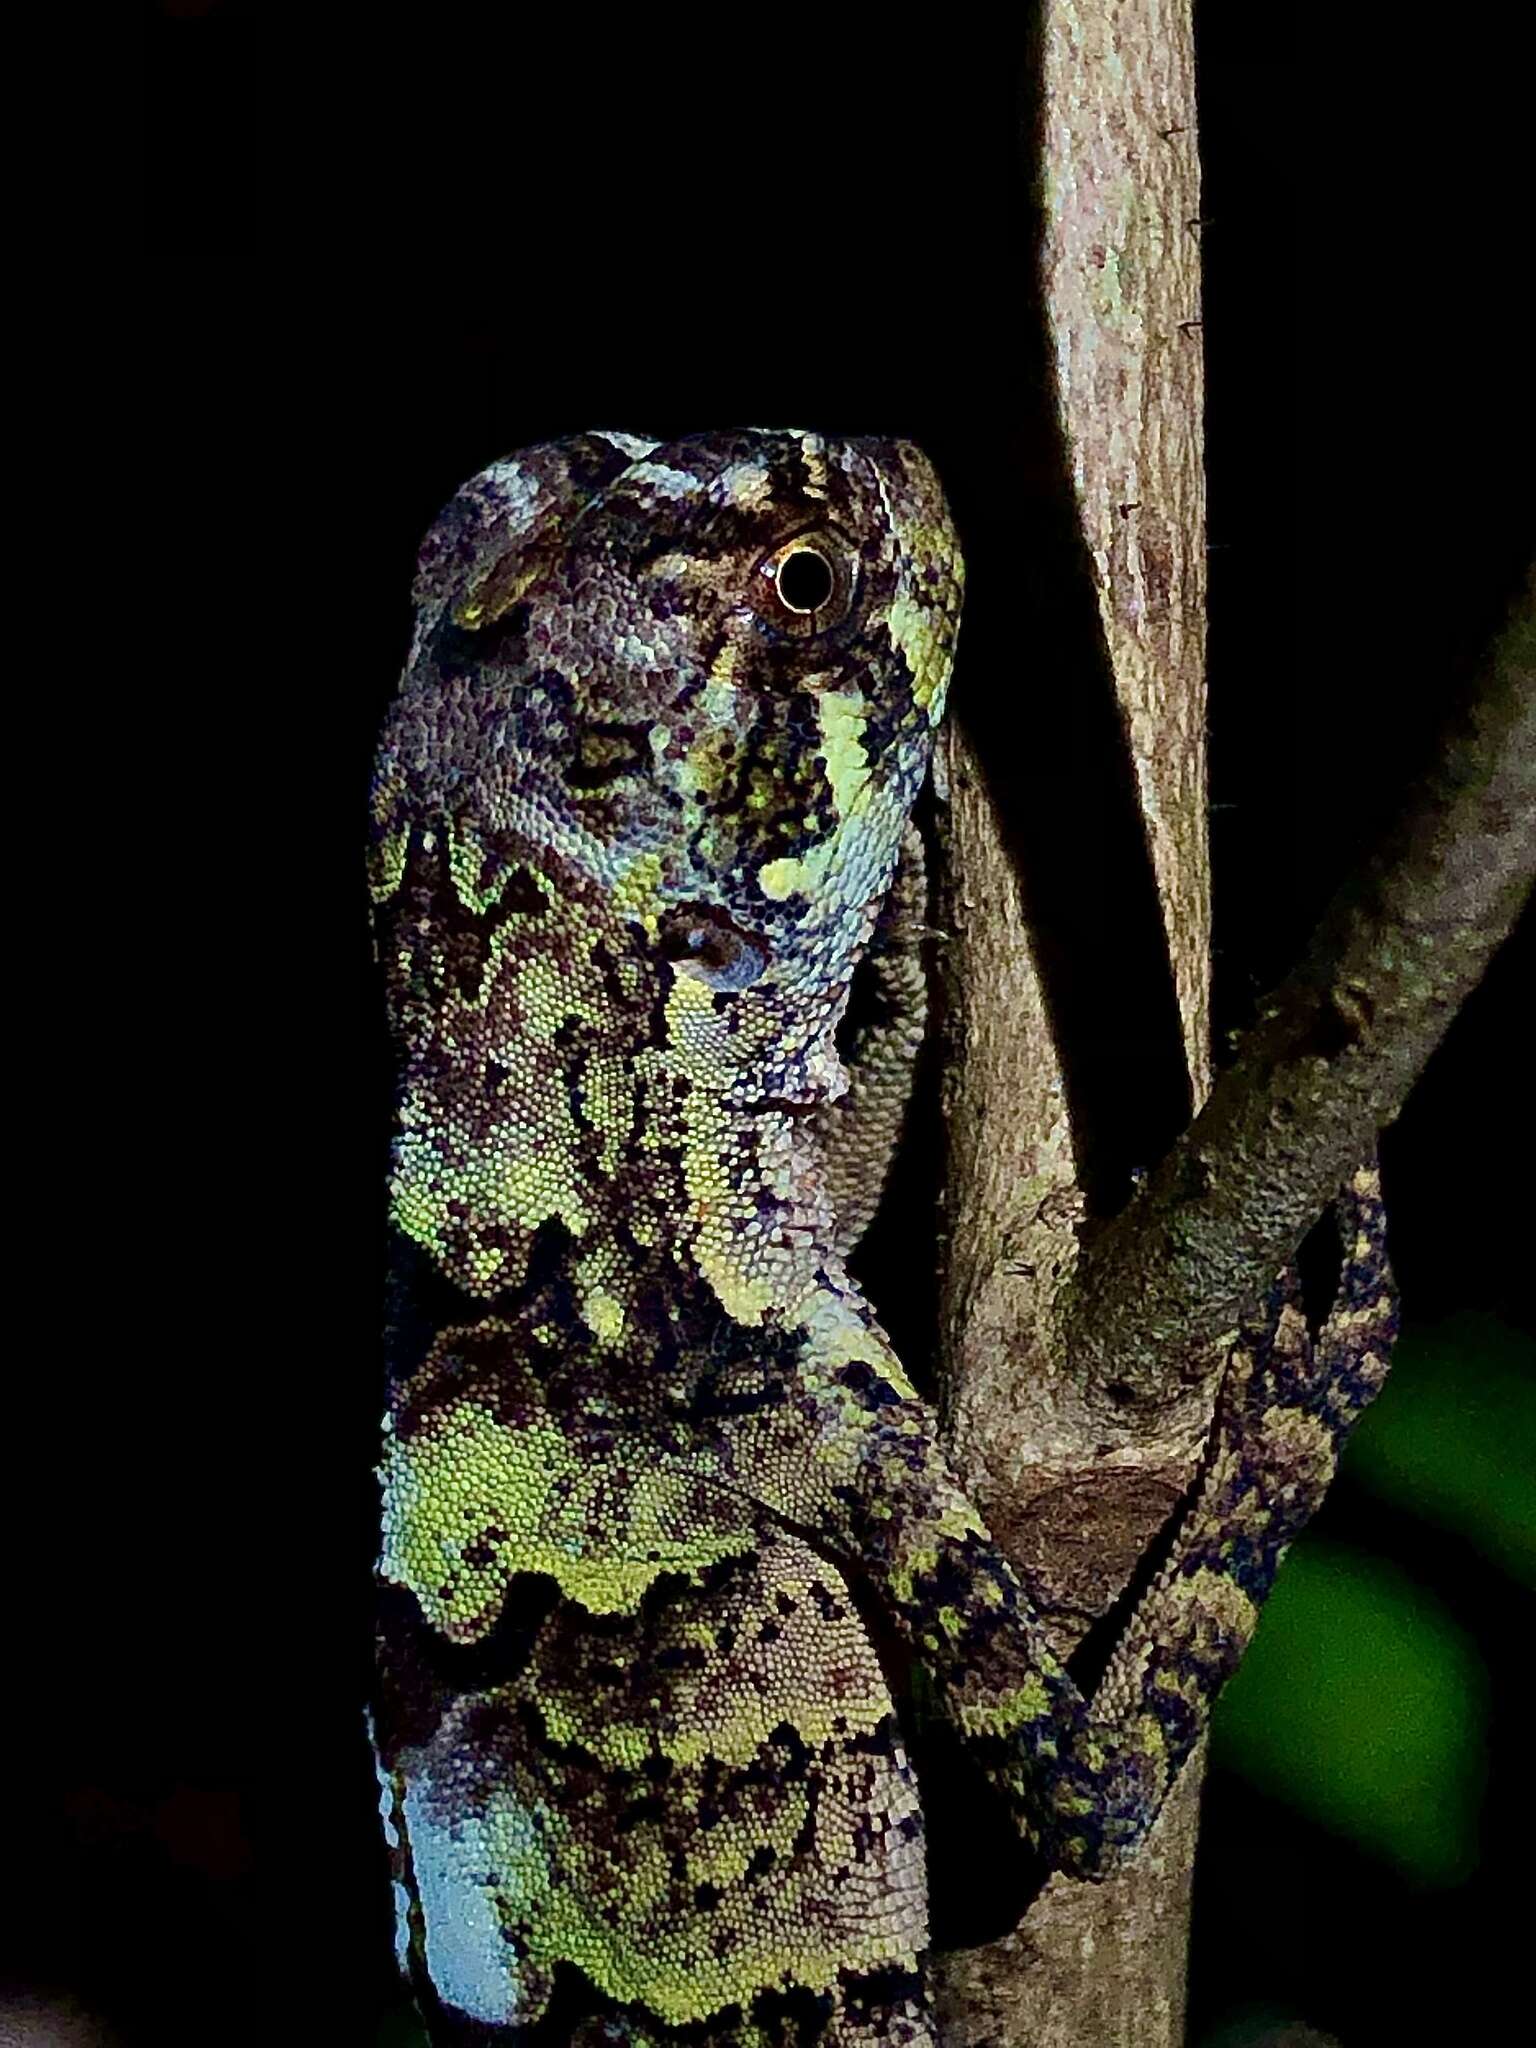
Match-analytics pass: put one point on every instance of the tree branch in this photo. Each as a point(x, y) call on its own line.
point(1332, 1059)
point(1105, 423)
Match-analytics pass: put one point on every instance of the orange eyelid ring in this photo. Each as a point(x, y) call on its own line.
point(806, 584)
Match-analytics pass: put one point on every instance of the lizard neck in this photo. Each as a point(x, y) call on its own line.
point(563, 1083)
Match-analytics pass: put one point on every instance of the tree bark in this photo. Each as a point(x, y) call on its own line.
point(1090, 1964)
point(1080, 1356)
point(1331, 1059)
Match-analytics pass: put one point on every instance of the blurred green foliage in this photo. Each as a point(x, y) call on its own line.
point(1362, 1704)
point(1453, 1437)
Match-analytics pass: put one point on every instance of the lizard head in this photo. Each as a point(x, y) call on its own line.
point(701, 678)
point(666, 711)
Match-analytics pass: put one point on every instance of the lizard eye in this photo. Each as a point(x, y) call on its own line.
point(803, 578)
point(805, 586)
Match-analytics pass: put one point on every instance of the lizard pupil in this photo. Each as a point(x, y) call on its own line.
point(805, 580)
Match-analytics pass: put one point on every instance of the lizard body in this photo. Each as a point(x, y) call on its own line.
point(654, 1480)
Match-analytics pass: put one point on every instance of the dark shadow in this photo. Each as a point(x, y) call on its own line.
point(1035, 691)
point(1036, 695)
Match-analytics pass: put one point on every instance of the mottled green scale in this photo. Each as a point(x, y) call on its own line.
point(650, 1465)
point(688, 1804)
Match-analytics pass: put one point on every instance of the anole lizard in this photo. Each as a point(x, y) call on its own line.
point(650, 1463)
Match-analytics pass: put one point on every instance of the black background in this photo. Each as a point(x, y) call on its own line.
point(379, 251)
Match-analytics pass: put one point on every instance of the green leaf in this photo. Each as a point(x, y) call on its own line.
point(1363, 1705)
point(1453, 1437)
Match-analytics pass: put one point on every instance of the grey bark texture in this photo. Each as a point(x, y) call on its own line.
point(1332, 1057)
point(1079, 1369)
point(1090, 1964)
